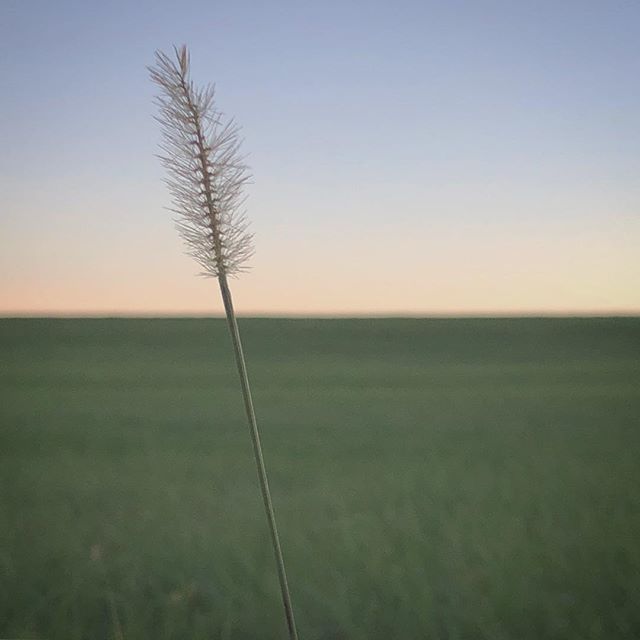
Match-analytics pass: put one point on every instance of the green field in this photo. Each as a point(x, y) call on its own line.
point(433, 478)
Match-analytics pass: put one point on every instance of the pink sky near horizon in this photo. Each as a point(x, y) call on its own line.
point(436, 268)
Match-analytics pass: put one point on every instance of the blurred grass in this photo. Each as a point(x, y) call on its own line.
point(440, 479)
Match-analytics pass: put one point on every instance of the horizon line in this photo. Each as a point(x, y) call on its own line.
point(614, 313)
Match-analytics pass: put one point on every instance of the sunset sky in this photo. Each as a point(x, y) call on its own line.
point(451, 157)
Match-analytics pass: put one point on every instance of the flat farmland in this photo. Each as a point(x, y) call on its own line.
point(432, 478)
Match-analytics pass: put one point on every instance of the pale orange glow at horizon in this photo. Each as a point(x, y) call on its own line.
point(443, 267)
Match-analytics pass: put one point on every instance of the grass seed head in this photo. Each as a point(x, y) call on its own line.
point(206, 172)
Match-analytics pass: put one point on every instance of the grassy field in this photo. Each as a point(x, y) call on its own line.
point(436, 479)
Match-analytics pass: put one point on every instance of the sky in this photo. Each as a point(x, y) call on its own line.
point(451, 157)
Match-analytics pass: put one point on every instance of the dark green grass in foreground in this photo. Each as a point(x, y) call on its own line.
point(440, 479)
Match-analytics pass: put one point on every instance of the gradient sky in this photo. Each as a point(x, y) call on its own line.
point(408, 157)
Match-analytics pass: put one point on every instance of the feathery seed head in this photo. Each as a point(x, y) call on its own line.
point(206, 171)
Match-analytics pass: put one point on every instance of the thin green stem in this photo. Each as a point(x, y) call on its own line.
point(257, 450)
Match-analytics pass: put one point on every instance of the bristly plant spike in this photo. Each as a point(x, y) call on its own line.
point(206, 176)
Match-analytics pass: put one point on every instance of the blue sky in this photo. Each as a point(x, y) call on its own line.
point(416, 157)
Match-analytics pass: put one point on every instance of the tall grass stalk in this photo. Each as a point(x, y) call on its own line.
point(206, 176)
